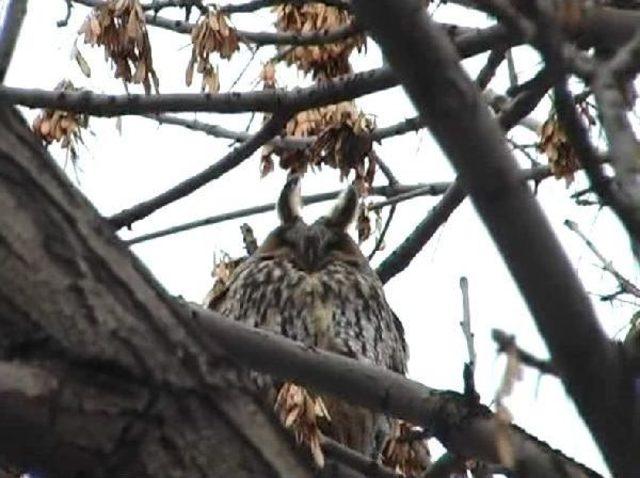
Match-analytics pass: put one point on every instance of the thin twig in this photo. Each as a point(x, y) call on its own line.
point(393, 181)
point(286, 142)
point(227, 163)
point(625, 284)
point(253, 5)
point(65, 21)
point(470, 366)
point(313, 199)
point(465, 324)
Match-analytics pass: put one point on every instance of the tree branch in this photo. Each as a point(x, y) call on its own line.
point(14, 15)
point(402, 256)
point(288, 142)
point(441, 92)
point(298, 99)
point(224, 165)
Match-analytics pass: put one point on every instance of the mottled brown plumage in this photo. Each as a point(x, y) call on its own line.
point(311, 283)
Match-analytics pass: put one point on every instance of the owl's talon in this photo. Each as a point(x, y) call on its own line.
point(301, 411)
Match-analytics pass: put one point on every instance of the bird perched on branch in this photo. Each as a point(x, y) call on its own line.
point(311, 283)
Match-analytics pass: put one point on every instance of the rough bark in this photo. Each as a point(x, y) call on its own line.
point(98, 375)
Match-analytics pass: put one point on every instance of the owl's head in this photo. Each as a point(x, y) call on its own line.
point(311, 247)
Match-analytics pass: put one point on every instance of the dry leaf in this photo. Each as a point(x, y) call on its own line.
point(119, 26)
point(63, 126)
point(211, 33)
point(563, 159)
point(322, 61)
point(301, 411)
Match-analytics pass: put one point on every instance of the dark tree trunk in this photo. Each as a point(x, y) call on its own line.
point(99, 376)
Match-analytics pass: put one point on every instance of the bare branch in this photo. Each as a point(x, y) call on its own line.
point(625, 284)
point(312, 199)
point(14, 15)
point(400, 258)
point(623, 144)
point(456, 422)
point(253, 5)
point(287, 142)
point(442, 92)
point(465, 324)
point(226, 164)
point(297, 99)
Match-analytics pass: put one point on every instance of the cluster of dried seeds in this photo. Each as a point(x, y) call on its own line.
point(342, 142)
point(563, 159)
point(300, 410)
point(119, 26)
point(322, 61)
point(63, 126)
point(211, 33)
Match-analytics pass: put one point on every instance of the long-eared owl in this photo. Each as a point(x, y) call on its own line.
point(311, 283)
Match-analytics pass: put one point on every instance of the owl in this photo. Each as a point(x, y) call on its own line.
point(311, 283)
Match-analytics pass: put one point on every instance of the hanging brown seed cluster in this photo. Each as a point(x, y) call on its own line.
point(405, 454)
point(300, 410)
point(119, 26)
point(322, 61)
point(563, 159)
point(211, 33)
point(342, 142)
point(63, 126)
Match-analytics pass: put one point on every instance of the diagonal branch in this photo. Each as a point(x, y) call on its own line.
point(442, 92)
point(401, 257)
point(15, 12)
point(226, 164)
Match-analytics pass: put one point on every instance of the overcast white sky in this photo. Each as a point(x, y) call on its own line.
point(116, 171)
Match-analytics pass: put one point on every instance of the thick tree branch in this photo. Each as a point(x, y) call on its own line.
point(441, 91)
point(14, 15)
point(340, 89)
point(226, 164)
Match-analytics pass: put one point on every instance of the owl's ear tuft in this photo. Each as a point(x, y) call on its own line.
point(344, 210)
point(290, 202)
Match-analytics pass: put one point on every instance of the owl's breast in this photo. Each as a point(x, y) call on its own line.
point(338, 308)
